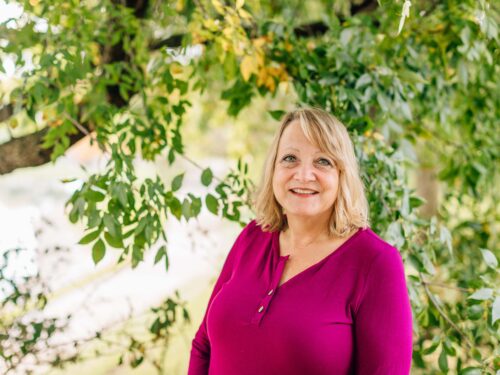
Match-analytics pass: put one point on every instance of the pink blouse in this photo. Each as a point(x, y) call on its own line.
point(347, 314)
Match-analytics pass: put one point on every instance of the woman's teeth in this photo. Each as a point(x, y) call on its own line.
point(300, 191)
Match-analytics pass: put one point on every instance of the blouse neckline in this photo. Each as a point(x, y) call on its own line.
point(283, 258)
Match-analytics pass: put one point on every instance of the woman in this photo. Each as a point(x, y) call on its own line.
point(308, 288)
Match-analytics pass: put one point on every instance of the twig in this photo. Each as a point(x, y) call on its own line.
point(441, 285)
point(76, 123)
point(445, 316)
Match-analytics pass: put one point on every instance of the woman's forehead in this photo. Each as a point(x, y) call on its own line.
point(294, 137)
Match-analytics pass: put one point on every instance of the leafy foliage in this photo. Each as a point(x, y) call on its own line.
point(415, 82)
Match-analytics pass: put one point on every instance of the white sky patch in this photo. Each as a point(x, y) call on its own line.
point(9, 11)
point(18, 232)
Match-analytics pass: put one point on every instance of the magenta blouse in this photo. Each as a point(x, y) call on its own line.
point(347, 314)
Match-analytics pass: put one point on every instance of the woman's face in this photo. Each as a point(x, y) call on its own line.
point(305, 180)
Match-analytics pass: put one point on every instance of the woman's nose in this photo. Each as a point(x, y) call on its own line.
point(305, 173)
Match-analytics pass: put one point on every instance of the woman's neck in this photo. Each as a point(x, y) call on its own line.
point(301, 233)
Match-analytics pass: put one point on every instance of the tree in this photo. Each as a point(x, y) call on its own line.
point(415, 82)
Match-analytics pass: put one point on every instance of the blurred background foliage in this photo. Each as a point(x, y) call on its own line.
point(415, 82)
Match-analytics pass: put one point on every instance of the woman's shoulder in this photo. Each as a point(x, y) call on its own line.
point(372, 246)
point(252, 230)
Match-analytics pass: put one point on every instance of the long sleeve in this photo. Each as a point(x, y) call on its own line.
point(200, 350)
point(383, 320)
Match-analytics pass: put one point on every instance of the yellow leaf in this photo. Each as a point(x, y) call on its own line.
point(13, 123)
point(211, 25)
point(259, 42)
point(271, 85)
point(245, 15)
point(176, 68)
point(260, 57)
point(248, 66)
point(179, 6)
point(239, 48)
point(240, 3)
point(218, 6)
point(261, 80)
point(225, 44)
point(95, 54)
point(228, 31)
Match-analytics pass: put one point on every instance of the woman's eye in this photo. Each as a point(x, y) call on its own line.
point(323, 161)
point(289, 158)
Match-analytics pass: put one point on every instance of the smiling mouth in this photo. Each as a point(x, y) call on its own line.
point(303, 192)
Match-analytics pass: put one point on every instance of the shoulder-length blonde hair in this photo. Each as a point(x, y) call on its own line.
point(350, 210)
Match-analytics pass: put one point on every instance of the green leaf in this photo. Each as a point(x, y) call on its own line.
point(110, 224)
point(364, 80)
point(428, 265)
point(176, 208)
point(94, 219)
point(212, 204)
point(394, 234)
point(476, 354)
point(66, 180)
point(206, 177)
point(113, 241)
point(195, 205)
point(177, 182)
point(277, 115)
point(405, 108)
point(137, 255)
point(73, 215)
point(405, 204)
point(416, 202)
point(448, 346)
point(186, 209)
point(471, 371)
point(88, 238)
point(495, 310)
point(160, 253)
point(432, 348)
point(445, 238)
point(475, 312)
point(443, 361)
point(166, 261)
point(171, 156)
point(122, 195)
point(135, 362)
point(98, 251)
point(482, 294)
point(95, 196)
point(489, 258)
point(142, 224)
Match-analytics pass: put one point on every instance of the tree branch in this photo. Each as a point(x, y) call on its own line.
point(6, 112)
point(303, 31)
point(26, 151)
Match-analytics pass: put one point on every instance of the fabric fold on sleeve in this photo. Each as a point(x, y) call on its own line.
point(383, 319)
point(199, 361)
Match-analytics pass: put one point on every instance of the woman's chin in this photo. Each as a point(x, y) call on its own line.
point(302, 213)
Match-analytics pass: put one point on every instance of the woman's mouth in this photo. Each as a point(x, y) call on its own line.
point(303, 192)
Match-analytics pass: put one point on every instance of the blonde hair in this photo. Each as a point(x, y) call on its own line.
point(350, 210)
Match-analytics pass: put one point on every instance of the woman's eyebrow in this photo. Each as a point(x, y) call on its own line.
point(295, 149)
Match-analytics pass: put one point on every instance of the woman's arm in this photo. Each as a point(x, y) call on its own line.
point(383, 320)
point(200, 349)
